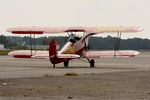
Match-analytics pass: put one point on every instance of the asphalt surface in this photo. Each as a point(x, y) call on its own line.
point(18, 68)
point(111, 79)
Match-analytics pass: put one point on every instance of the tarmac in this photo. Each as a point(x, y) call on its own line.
point(111, 79)
point(21, 68)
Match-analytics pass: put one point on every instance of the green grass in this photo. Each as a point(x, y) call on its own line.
point(4, 52)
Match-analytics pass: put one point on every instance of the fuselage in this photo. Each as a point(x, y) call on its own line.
point(75, 45)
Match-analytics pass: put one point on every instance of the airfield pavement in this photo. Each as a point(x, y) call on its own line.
point(111, 79)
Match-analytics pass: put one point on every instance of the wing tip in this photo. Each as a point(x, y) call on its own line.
point(140, 29)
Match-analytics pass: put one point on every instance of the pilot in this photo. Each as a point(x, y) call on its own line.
point(74, 38)
point(77, 38)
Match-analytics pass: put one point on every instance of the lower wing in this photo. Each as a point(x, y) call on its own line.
point(38, 54)
point(120, 53)
point(89, 54)
point(27, 53)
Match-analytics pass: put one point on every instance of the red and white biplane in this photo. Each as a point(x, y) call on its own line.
point(76, 47)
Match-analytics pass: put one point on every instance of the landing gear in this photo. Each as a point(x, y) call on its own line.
point(92, 63)
point(53, 65)
point(66, 63)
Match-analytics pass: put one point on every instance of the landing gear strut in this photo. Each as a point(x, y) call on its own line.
point(92, 62)
point(66, 63)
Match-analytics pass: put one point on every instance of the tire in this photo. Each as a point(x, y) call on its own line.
point(92, 63)
point(66, 63)
point(53, 65)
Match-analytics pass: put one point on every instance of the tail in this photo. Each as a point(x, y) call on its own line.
point(52, 51)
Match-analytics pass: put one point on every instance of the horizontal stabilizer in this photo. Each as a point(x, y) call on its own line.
point(41, 56)
point(46, 56)
point(68, 56)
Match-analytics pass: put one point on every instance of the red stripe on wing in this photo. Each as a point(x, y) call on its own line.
point(27, 32)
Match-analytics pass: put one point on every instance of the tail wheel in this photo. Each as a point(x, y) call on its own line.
point(53, 65)
point(92, 63)
point(66, 63)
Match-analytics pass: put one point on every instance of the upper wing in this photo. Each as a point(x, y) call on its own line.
point(118, 29)
point(52, 30)
point(120, 53)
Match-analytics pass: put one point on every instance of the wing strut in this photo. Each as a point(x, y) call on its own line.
point(117, 44)
point(32, 42)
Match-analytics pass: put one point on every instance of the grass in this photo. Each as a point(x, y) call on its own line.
point(71, 74)
point(4, 52)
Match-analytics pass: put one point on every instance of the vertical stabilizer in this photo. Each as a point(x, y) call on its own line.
point(52, 51)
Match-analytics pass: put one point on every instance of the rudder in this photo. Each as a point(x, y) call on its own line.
point(52, 51)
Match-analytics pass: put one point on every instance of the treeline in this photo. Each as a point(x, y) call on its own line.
point(110, 42)
point(107, 43)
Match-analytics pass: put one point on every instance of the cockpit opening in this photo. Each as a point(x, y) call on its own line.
point(74, 38)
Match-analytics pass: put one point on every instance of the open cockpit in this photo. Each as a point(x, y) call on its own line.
point(74, 38)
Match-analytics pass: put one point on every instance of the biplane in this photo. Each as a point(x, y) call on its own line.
point(76, 47)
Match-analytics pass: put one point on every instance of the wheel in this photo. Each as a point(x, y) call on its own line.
point(92, 63)
point(66, 63)
point(53, 65)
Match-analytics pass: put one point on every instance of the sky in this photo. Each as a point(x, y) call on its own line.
point(76, 13)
